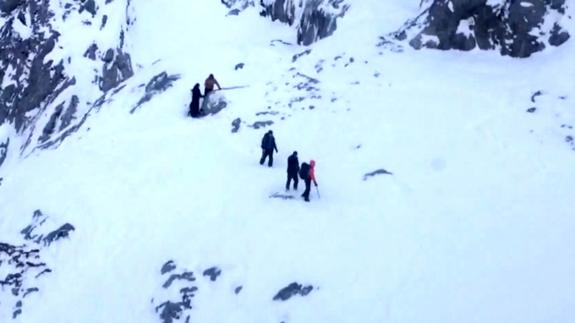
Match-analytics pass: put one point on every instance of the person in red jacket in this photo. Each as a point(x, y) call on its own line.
point(308, 179)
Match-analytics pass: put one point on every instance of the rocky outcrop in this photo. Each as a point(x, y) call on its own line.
point(515, 28)
point(291, 290)
point(39, 97)
point(117, 68)
point(315, 19)
point(155, 86)
point(28, 79)
point(4, 150)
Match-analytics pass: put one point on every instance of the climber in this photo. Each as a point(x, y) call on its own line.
point(195, 104)
point(268, 147)
point(209, 85)
point(307, 173)
point(208, 89)
point(292, 171)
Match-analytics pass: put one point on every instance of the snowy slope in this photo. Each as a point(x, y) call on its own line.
point(474, 225)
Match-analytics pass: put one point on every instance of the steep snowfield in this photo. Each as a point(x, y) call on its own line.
point(474, 225)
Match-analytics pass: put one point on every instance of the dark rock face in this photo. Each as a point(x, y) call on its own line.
point(24, 264)
point(515, 28)
point(34, 80)
point(315, 19)
point(38, 96)
point(6, 6)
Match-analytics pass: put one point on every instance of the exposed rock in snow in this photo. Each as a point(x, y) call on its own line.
point(291, 290)
point(315, 19)
point(380, 171)
point(117, 68)
point(515, 28)
point(155, 86)
point(212, 272)
point(40, 95)
point(4, 150)
point(23, 264)
point(183, 282)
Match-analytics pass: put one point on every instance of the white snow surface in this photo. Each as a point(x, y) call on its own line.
point(475, 224)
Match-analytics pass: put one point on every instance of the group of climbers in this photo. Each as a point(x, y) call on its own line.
point(306, 171)
point(209, 84)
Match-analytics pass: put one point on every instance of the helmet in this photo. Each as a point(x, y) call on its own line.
point(312, 162)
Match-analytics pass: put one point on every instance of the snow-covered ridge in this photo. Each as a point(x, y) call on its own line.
point(446, 178)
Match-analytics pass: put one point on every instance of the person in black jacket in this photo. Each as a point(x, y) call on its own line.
point(195, 104)
point(268, 147)
point(292, 171)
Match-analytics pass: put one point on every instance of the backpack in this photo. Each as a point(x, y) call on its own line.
point(304, 171)
point(265, 141)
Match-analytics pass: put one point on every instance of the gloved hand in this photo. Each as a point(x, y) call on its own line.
point(315, 184)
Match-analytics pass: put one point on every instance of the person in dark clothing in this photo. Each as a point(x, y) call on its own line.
point(292, 171)
point(308, 178)
point(268, 147)
point(195, 104)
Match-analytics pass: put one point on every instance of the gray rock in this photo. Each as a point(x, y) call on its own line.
point(61, 232)
point(235, 126)
point(380, 171)
point(70, 113)
point(7, 6)
point(167, 267)
point(117, 69)
point(4, 150)
point(317, 20)
point(158, 84)
point(89, 6)
point(91, 52)
point(291, 290)
point(261, 124)
point(212, 272)
point(513, 27)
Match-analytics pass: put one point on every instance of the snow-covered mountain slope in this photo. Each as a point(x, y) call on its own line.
point(146, 215)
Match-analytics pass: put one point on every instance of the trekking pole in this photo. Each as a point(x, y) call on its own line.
point(317, 190)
